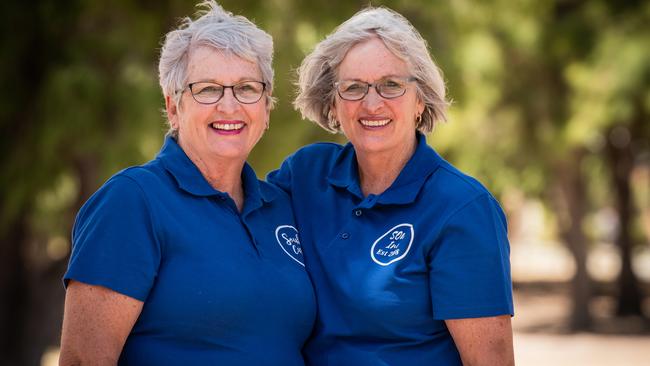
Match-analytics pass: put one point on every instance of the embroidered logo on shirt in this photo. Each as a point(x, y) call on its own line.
point(393, 245)
point(287, 237)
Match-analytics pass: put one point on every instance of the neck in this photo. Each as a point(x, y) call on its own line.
point(378, 171)
point(222, 174)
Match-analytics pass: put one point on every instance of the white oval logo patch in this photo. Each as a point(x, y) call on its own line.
point(392, 246)
point(287, 237)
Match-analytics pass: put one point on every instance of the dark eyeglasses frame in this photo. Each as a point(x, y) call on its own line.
point(231, 87)
point(375, 85)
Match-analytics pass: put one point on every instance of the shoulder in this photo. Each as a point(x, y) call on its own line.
point(314, 161)
point(458, 182)
point(149, 180)
point(122, 185)
point(143, 175)
point(272, 192)
point(457, 188)
point(317, 152)
point(307, 163)
point(126, 190)
point(121, 192)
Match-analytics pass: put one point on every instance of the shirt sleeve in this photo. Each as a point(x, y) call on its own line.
point(282, 177)
point(113, 241)
point(469, 267)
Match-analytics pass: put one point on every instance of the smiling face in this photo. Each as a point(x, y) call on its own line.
point(375, 124)
point(228, 129)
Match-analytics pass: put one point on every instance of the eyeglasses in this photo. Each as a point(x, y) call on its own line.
point(246, 92)
point(389, 88)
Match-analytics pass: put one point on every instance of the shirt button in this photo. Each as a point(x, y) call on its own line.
point(223, 198)
point(358, 213)
point(345, 236)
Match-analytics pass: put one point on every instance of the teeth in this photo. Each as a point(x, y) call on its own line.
point(227, 126)
point(379, 123)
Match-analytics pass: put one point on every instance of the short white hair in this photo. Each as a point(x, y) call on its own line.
point(213, 27)
point(318, 71)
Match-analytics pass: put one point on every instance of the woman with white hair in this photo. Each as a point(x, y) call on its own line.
point(189, 259)
point(409, 257)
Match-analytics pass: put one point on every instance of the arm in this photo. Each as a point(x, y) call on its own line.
point(483, 341)
point(96, 323)
point(471, 287)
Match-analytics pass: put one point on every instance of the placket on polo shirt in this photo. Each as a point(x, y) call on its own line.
point(189, 179)
point(404, 190)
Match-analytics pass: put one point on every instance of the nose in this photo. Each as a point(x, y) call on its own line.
point(373, 101)
point(227, 103)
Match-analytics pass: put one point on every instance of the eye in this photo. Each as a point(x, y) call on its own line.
point(248, 87)
point(353, 87)
point(207, 89)
point(392, 84)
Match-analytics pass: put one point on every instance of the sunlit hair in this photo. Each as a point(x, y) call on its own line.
point(318, 71)
point(220, 29)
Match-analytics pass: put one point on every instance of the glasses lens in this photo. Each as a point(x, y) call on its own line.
point(352, 90)
point(391, 88)
point(248, 91)
point(207, 93)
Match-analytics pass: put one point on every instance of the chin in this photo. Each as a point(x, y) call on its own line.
point(372, 145)
point(373, 138)
point(229, 151)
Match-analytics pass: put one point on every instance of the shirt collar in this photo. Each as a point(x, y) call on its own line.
point(189, 177)
point(254, 192)
point(345, 173)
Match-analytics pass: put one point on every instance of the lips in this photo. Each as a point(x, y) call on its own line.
point(375, 122)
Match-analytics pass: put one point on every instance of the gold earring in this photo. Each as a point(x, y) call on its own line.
point(332, 122)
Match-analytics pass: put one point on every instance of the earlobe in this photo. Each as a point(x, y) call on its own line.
point(420, 107)
point(172, 112)
point(332, 121)
point(331, 114)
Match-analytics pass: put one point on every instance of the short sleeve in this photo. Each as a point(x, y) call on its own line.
point(282, 177)
point(113, 241)
point(469, 266)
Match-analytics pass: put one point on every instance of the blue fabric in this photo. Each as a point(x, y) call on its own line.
point(219, 287)
point(388, 269)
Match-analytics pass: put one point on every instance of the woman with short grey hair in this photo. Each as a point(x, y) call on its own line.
point(190, 259)
point(236, 34)
point(409, 257)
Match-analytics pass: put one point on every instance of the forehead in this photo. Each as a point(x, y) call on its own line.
point(371, 60)
point(207, 63)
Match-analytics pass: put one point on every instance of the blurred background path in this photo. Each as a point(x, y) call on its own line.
point(541, 337)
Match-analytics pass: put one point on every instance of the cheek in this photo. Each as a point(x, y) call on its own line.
point(408, 109)
point(345, 112)
point(259, 117)
point(185, 119)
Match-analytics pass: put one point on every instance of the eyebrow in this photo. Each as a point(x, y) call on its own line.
point(382, 78)
point(240, 80)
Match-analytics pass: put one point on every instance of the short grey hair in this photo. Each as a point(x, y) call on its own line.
point(220, 29)
point(318, 71)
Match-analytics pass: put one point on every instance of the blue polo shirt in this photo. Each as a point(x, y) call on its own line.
point(388, 269)
point(219, 287)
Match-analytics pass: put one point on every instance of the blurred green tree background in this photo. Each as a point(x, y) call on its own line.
point(551, 102)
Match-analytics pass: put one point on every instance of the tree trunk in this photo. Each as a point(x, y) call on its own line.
point(32, 296)
point(13, 292)
point(571, 209)
point(621, 162)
